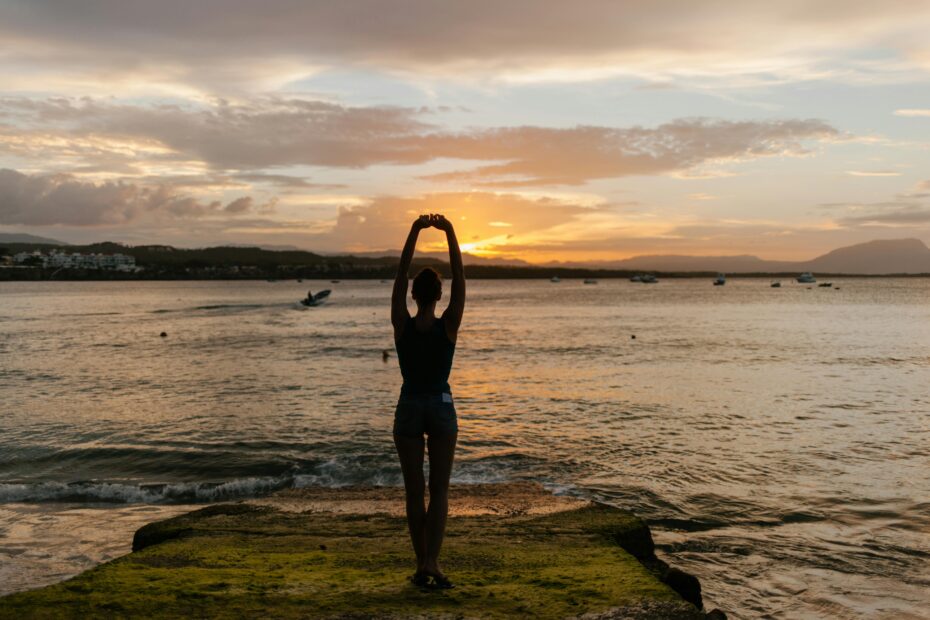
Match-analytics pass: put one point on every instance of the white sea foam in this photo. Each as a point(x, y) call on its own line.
point(135, 494)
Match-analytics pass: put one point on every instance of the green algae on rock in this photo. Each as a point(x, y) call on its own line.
point(246, 560)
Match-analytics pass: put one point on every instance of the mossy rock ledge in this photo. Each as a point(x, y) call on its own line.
point(513, 550)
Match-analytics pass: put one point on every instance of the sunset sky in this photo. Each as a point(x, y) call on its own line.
point(544, 130)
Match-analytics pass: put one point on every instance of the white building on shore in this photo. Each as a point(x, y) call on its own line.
point(75, 260)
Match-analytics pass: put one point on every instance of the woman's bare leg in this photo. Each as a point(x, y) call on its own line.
point(441, 454)
point(410, 451)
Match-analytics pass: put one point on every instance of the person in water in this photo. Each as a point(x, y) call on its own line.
point(309, 296)
point(425, 346)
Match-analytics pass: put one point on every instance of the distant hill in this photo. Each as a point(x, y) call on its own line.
point(24, 238)
point(875, 257)
point(870, 258)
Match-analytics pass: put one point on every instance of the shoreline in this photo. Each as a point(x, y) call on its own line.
point(522, 521)
point(31, 274)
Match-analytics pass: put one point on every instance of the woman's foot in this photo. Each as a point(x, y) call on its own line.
point(420, 579)
point(441, 582)
point(437, 577)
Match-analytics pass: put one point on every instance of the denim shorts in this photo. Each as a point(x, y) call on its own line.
point(433, 414)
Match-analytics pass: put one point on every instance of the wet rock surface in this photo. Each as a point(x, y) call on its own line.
point(512, 550)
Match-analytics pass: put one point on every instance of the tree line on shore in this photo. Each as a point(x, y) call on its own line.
point(162, 262)
point(234, 262)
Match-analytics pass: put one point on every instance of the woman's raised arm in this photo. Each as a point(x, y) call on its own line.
point(453, 314)
point(399, 313)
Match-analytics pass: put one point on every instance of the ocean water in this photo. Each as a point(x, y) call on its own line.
point(777, 440)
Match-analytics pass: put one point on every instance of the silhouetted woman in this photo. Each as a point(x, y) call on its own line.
point(425, 346)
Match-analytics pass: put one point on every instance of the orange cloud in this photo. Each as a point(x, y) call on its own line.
point(544, 156)
point(384, 223)
point(290, 132)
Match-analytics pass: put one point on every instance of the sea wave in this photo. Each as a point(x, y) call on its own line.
point(123, 493)
point(338, 472)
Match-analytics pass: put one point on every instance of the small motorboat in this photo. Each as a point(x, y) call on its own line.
point(825, 284)
point(316, 300)
point(806, 278)
point(720, 280)
point(775, 284)
point(648, 278)
point(555, 279)
point(636, 279)
point(590, 281)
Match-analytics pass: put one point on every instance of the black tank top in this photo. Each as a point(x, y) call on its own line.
point(425, 358)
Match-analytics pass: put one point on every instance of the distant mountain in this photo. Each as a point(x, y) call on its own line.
point(870, 258)
point(875, 257)
point(24, 238)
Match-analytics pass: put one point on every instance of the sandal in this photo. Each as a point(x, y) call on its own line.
point(420, 580)
point(441, 582)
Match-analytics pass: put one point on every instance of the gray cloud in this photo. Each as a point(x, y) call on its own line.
point(218, 41)
point(286, 132)
point(209, 181)
point(286, 182)
point(61, 199)
point(890, 214)
point(239, 205)
point(271, 132)
point(58, 199)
